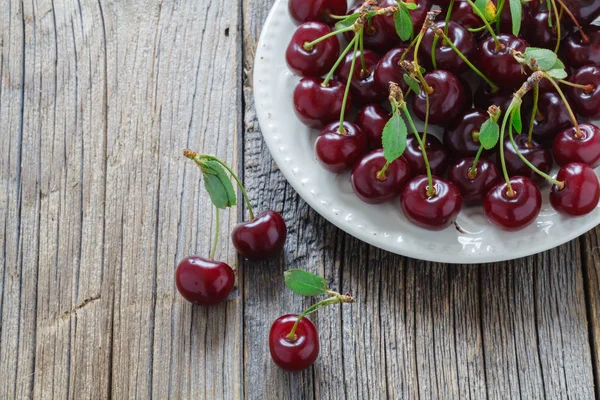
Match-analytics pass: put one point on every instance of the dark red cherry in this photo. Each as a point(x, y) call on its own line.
point(585, 11)
point(578, 53)
point(298, 354)
point(551, 118)
point(450, 98)
point(436, 212)
point(568, 148)
point(374, 188)
point(517, 212)
point(417, 16)
point(502, 98)
point(388, 69)
point(586, 102)
point(317, 105)
point(462, 137)
point(473, 187)
point(462, 13)
point(364, 88)
point(540, 34)
point(372, 119)
point(445, 56)
point(581, 192)
point(379, 34)
point(316, 10)
point(436, 154)
point(261, 238)
point(338, 152)
point(320, 58)
point(539, 156)
point(506, 25)
point(498, 64)
point(203, 281)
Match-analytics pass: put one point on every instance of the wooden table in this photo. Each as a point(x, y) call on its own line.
point(97, 205)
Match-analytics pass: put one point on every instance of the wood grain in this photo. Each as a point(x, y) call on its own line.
point(97, 205)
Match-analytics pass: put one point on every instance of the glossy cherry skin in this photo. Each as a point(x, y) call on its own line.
point(518, 212)
point(462, 138)
point(540, 34)
point(585, 11)
point(568, 148)
point(436, 154)
point(203, 281)
point(551, 118)
point(473, 188)
point(372, 189)
point(379, 35)
point(450, 98)
point(298, 354)
point(537, 155)
point(435, 212)
point(261, 238)
point(445, 56)
point(317, 105)
point(581, 192)
point(499, 65)
point(303, 11)
point(316, 61)
point(462, 13)
point(484, 98)
point(388, 70)
point(577, 53)
point(372, 119)
point(364, 88)
point(337, 152)
point(586, 103)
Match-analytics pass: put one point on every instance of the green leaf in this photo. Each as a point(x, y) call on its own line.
point(545, 59)
point(557, 73)
point(516, 13)
point(304, 283)
point(412, 83)
point(217, 184)
point(481, 5)
point(558, 65)
point(516, 120)
point(348, 22)
point(410, 6)
point(489, 134)
point(403, 23)
point(550, 16)
point(394, 138)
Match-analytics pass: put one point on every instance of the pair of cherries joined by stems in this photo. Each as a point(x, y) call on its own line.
point(205, 281)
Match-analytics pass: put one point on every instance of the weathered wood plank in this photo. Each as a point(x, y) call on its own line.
point(590, 243)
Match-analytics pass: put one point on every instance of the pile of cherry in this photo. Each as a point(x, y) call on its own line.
point(535, 69)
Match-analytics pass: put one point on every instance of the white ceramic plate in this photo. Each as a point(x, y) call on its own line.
point(384, 226)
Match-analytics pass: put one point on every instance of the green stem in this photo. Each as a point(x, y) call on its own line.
point(498, 13)
point(337, 63)
point(363, 63)
point(335, 298)
point(426, 124)
point(433, 46)
point(332, 16)
point(430, 188)
point(216, 237)
point(410, 46)
point(564, 8)
point(341, 128)
point(567, 106)
point(487, 24)
point(507, 114)
point(536, 96)
point(309, 45)
point(585, 88)
point(557, 26)
point(426, 87)
point(477, 30)
point(450, 7)
point(473, 171)
point(381, 174)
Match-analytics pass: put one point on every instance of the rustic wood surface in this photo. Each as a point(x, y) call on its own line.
point(97, 99)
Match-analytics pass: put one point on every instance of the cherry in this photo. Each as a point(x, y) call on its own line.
point(316, 10)
point(506, 25)
point(569, 148)
point(552, 116)
point(537, 155)
point(316, 61)
point(484, 98)
point(436, 154)
point(203, 281)
point(338, 152)
point(498, 64)
point(372, 187)
point(436, 212)
point(462, 138)
point(449, 99)
point(364, 88)
point(445, 56)
point(388, 69)
point(585, 11)
point(317, 105)
point(473, 187)
point(581, 191)
point(263, 237)
point(540, 34)
point(372, 119)
point(462, 13)
point(417, 15)
point(379, 34)
point(584, 102)
point(298, 354)
point(516, 212)
point(578, 53)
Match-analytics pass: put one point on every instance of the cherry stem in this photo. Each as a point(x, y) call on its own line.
point(332, 16)
point(309, 45)
point(216, 237)
point(441, 33)
point(477, 11)
point(473, 171)
point(586, 88)
point(426, 87)
point(450, 7)
point(534, 110)
point(557, 26)
point(337, 63)
point(499, 8)
point(426, 124)
point(341, 129)
point(410, 46)
point(584, 37)
point(511, 193)
point(381, 174)
point(363, 63)
point(578, 133)
point(477, 30)
point(430, 188)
